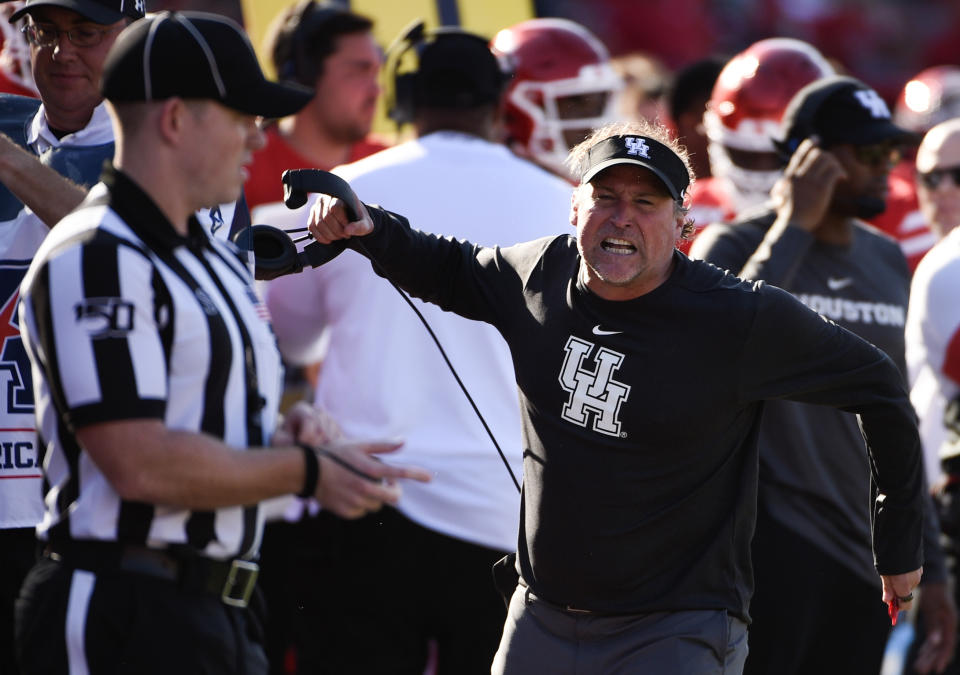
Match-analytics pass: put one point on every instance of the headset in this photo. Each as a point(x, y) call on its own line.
point(401, 88)
point(398, 94)
point(275, 254)
point(296, 63)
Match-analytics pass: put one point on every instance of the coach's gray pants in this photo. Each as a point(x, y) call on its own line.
point(541, 638)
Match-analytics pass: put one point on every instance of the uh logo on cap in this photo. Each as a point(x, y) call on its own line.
point(637, 147)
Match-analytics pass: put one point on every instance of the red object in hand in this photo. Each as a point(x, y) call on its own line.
point(893, 609)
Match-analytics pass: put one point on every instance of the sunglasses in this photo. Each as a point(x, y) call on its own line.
point(878, 154)
point(932, 179)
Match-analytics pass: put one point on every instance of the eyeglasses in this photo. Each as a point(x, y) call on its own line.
point(45, 35)
point(878, 154)
point(932, 179)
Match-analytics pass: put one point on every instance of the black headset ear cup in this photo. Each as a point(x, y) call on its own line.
point(399, 89)
point(306, 20)
point(402, 110)
point(295, 64)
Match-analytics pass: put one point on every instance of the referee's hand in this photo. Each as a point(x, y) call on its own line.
point(354, 482)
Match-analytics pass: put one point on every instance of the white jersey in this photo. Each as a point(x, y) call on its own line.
point(933, 343)
point(21, 503)
point(382, 376)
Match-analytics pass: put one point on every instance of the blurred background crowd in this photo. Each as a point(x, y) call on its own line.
point(670, 61)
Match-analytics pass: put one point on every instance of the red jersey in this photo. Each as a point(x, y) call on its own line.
point(708, 204)
point(903, 220)
point(277, 156)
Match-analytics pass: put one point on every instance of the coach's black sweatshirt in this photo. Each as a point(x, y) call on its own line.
point(640, 417)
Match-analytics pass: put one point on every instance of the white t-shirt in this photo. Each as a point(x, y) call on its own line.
point(933, 343)
point(382, 376)
point(21, 503)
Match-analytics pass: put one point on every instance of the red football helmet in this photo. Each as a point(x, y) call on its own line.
point(15, 74)
point(931, 97)
point(744, 111)
point(563, 86)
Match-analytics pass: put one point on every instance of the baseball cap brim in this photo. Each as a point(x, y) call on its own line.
point(270, 99)
point(592, 173)
point(641, 151)
point(879, 132)
point(93, 11)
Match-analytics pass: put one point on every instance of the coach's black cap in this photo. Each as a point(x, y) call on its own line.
point(194, 55)
point(839, 109)
point(642, 151)
point(99, 11)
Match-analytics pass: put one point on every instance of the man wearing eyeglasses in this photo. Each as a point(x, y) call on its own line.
point(69, 40)
point(49, 152)
point(813, 528)
point(933, 327)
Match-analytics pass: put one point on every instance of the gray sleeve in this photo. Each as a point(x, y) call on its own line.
point(742, 249)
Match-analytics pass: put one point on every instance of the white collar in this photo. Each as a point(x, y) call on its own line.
point(97, 132)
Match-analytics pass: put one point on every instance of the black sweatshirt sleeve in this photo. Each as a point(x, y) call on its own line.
point(476, 282)
point(794, 353)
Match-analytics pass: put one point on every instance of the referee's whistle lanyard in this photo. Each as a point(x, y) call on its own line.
point(275, 255)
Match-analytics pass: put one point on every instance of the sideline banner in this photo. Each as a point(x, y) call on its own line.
point(484, 17)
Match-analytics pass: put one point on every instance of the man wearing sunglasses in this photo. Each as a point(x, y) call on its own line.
point(933, 327)
point(813, 527)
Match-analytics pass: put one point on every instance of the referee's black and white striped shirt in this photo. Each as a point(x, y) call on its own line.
point(123, 318)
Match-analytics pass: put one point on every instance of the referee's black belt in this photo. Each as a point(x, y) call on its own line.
point(230, 580)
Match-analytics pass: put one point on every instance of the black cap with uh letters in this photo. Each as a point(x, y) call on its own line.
point(839, 109)
point(642, 151)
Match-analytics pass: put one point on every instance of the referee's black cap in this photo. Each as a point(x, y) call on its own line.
point(195, 55)
point(839, 109)
point(103, 12)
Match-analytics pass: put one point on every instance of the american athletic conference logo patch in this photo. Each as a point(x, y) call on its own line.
point(18, 455)
point(17, 385)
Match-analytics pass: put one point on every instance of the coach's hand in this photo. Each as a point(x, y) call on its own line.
point(901, 587)
point(329, 222)
point(353, 482)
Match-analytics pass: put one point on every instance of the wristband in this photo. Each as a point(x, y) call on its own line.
point(311, 470)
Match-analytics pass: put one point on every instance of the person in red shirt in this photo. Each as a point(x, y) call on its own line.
point(332, 50)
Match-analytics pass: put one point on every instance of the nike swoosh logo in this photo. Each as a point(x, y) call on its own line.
point(599, 331)
point(837, 284)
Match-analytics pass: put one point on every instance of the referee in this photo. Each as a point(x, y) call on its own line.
point(157, 379)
